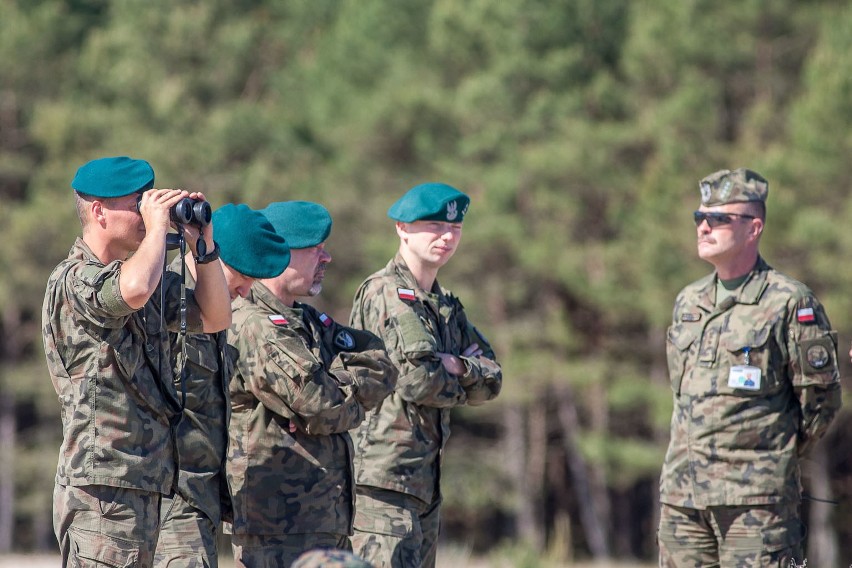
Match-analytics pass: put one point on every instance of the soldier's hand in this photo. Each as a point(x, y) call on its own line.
point(154, 208)
point(474, 350)
point(452, 364)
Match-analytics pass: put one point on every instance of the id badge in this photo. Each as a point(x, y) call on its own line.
point(744, 377)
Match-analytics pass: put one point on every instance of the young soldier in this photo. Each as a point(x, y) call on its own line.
point(443, 362)
point(108, 356)
point(301, 382)
point(249, 249)
point(753, 365)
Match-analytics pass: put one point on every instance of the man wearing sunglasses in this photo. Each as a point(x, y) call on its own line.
point(753, 366)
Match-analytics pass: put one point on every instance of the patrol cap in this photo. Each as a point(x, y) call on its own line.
point(303, 223)
point(726, 186)
point(329, 558)
point(113, 177)
point(430, 202)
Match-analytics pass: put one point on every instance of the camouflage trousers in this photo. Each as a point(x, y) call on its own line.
point(275, 551)
point(99, 525)
point(396, 530)
point(736, 536)
point(187, 536)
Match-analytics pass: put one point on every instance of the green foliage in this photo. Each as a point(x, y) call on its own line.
point(579, 127)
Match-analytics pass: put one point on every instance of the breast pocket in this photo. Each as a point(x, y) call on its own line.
point(679, 341)
point(753, 348)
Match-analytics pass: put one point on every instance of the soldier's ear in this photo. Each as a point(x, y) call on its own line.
point(97, 213)
point(757, 225)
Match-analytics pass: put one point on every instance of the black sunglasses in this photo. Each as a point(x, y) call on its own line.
point(715, 219)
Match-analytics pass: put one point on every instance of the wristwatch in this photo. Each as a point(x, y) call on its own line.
point(208, 256)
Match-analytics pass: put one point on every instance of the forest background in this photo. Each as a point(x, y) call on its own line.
point(580, 128)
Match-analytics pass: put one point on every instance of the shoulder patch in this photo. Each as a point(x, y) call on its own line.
point(406, 294)
point(344, 339)
point(325, 319)
point(278, 319)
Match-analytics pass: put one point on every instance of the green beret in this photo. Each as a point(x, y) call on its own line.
point(248, 243)
point(302, 223)
point(113, 177)
point(726, 186)
point(430, 202)
point(329, 558)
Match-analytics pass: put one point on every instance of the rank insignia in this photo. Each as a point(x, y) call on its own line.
point(406, 294)
point(344, 339)
point(326, 321)
point(278, 319)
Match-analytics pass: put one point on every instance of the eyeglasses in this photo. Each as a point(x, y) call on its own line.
point(715, 219)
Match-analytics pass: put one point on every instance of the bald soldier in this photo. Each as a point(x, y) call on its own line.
point(109, 358)
point(443, 362)
point(301, 382)
point(190, 516)
point(753, 366)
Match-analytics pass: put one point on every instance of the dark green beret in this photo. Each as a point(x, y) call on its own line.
point(726, 186)
point(248, 243)
point(430, 202)
point(113, 177)
point(302, 223)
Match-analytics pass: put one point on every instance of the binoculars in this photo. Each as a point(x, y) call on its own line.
point(188, 211)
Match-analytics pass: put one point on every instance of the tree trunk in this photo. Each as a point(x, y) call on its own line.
point(590, 519)
point(516, 446)
point(8, 428)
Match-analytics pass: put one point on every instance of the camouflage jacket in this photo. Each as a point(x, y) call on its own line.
point(295, 366)
point(741, 446)
point(110, 367)
point(400, 443)
point(201, 374)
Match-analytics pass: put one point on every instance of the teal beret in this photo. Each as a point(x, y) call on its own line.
point(430, 202)
point(113, 177)
point(248, 243)
point(302, 223)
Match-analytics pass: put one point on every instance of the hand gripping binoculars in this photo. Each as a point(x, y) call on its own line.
point(188, 211)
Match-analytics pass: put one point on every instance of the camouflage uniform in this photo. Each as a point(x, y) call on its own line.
point(110, 367)
point(296, 367)
point(733, 459)
point(399, 446)
point(192, 513)
point(329, 558)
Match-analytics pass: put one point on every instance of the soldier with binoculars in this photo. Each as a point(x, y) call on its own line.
point(105, 322)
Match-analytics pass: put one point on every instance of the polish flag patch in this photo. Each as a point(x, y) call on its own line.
point(278, 319)
point(326, 321)
point(406, 294)
point(805, 315)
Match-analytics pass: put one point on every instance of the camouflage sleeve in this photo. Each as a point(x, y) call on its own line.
point(286, 378)
point(171, 308)
point(94, 292)
point(422, 378)
point(484, 377)
point(368, 368)
point(813, 368)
